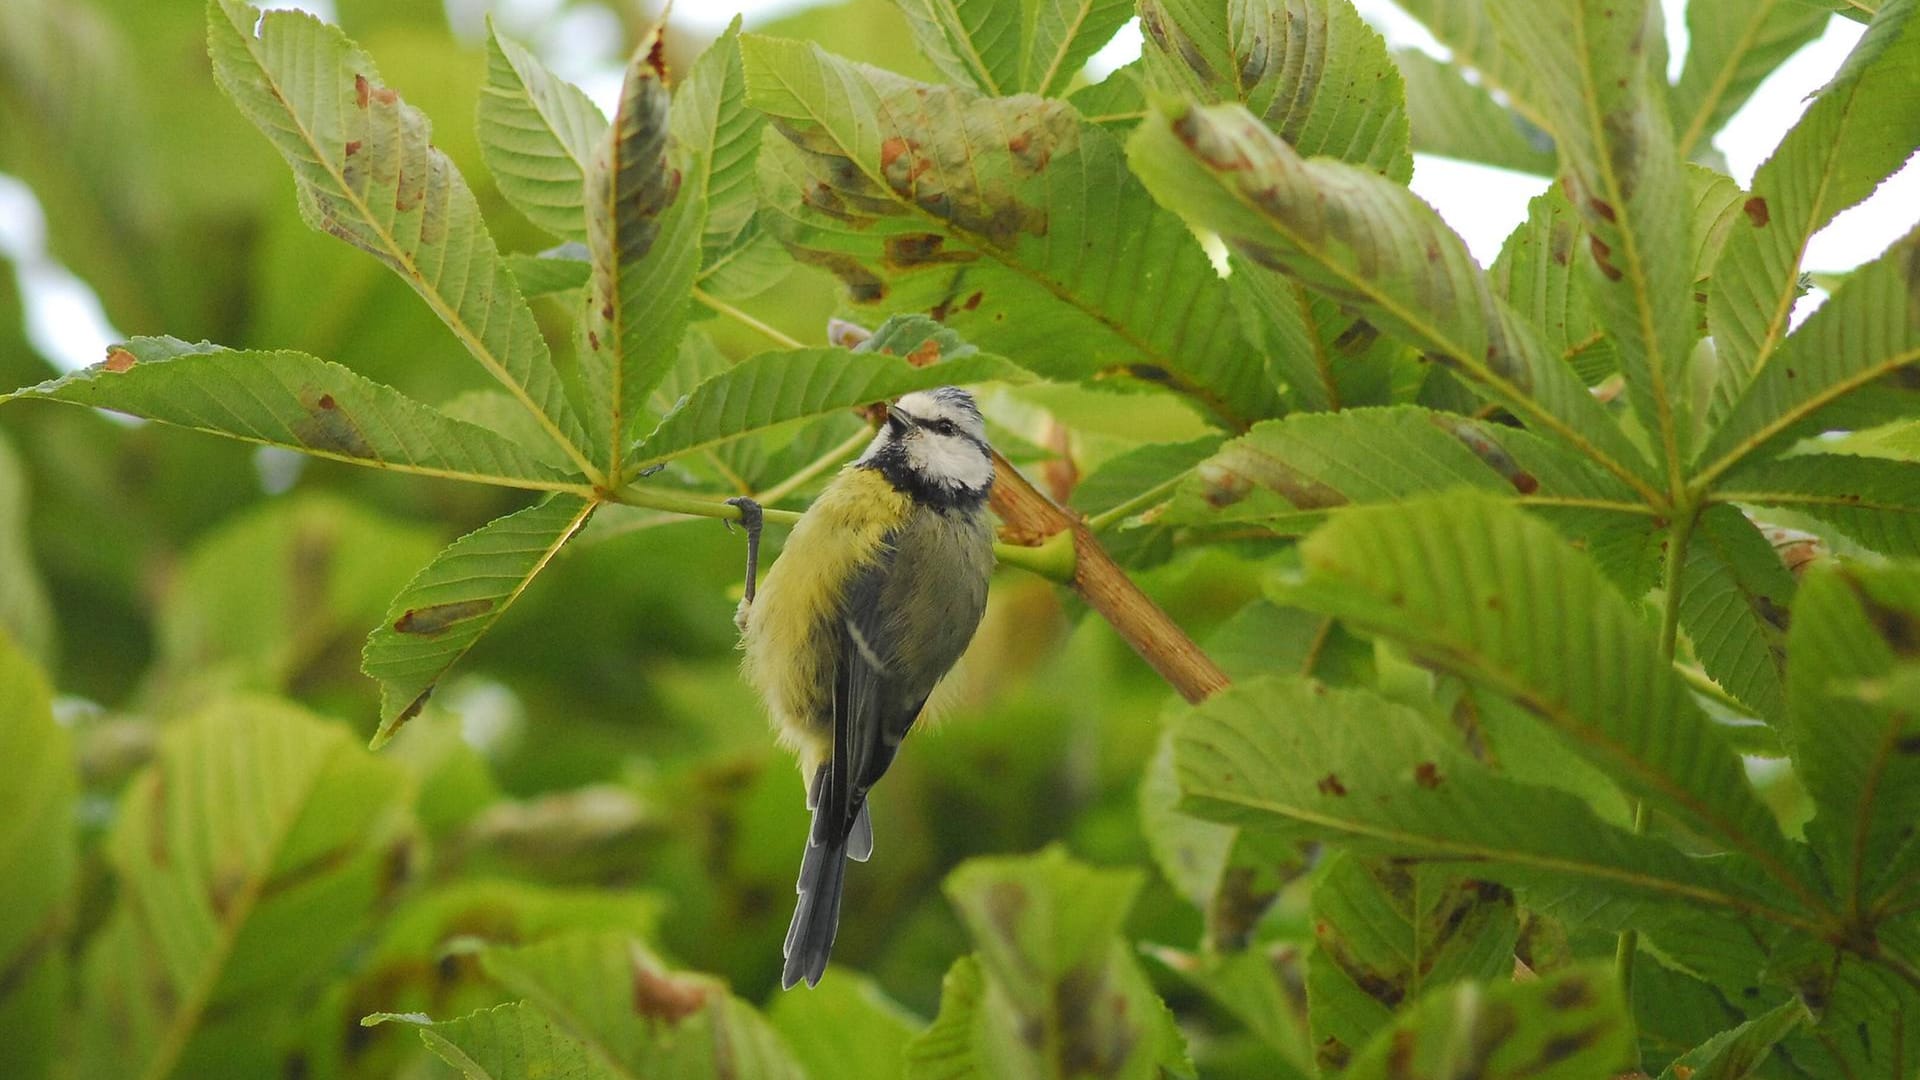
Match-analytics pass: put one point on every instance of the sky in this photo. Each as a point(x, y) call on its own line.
point(1483, 204)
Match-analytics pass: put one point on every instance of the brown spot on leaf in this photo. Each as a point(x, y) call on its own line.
point(863, 285)
point(1330, 785)
point(973, 301)
point(329, 428)
point(1356, 339)
point(1221, 486)
point(923, 249)
point(1603, 208)
point(119, 360)
point(1426, 775)
point(593, 341)
point(1601, 256)
point(385, 95)
point(438, 618)
point(1006, 901)
point(353, 147)
point(360, 88)
point(1757, 213)
point(1570, 993)
point(658, 995)
point(927, 352)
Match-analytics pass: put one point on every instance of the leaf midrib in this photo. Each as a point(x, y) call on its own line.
point(1630, 242)
point(1806, 407)
point(1488, 853)
point(1066, 46)
point(1717, 88)
point(186, 1019)
point(451, 318)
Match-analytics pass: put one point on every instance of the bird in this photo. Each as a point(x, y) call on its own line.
point(876, 594)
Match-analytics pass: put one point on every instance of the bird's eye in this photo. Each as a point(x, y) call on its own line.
point(944, 427)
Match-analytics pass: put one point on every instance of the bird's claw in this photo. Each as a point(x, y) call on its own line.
point(751, 520)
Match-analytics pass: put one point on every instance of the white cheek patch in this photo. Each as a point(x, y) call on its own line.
point(950, 459)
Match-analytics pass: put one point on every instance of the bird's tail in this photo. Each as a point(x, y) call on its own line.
point(817, 916)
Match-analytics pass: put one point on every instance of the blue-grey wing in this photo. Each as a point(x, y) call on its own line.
point(906, 619)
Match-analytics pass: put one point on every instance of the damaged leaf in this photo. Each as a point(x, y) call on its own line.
point(457, 598)
point(1009, 218)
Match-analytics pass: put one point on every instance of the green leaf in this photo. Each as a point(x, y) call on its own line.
point(1570, 1025)
point(1053, 991)
point(711, 120)
point(1857, 10)
point(1475, 587)
point(1874, 501)
point(1732, 45)
point(1385, 934)
point(1007, 47)
point(539, 134)
point(643, 239)
point(458, 597)
point(906, 354)
point(1312, 70)
point(1451, 117)
point(1261, 987)
point(1265, 638)
point(1738, 1053)
point(1535, 274)
point(297, 402)
point(1011, 219)
point(1867, 330)
point(1855, 757)
point(1863, 125)
point(1122, 495)
point(1596, 73)
point(1116, 102)
point(846, 1026)
point(1869, 1014)
point(1366, 242)
point(1232, 875)
point(1466, 28)
point(608, 994)
point(507, 1042)
point(1326, 357)
point(318, 571)
point(245, 860)
point(550, 272)
point(1286, 474)
point(1310, 762)
point(367, 172)
point(37, 861)
point(1734, 595)
point(1319, 77)
point(25, 612)
point(599, 1007)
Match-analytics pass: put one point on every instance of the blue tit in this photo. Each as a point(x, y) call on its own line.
point(877, 593)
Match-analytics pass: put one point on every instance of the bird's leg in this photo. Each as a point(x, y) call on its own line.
point(750, 520)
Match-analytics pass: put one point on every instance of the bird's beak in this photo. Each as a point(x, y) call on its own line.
point(898, 422)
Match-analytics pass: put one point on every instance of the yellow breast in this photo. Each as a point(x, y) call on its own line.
point(787, 630)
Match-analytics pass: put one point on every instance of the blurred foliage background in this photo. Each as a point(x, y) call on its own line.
point(598, 749)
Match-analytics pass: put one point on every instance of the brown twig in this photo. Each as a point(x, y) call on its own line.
point(1031, 519)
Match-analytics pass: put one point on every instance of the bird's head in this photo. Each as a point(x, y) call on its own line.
point(936, 440)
